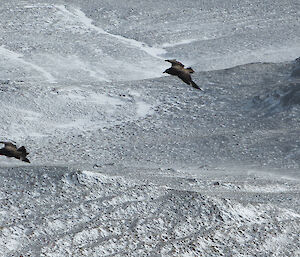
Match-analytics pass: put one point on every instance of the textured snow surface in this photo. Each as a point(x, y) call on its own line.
point(55, 211)
point(126, 161)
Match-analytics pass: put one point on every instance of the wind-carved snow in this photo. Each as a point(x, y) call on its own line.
point(18, 59)
point(65, 67)
point(42, 5)
point(142, 108)
point(103, 56)
point(78, 15)
point(182, 42)
point(94, 214)
point(112, 57)
point(73, 108)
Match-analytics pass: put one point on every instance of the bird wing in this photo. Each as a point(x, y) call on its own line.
point(190, 70)
point(194, 85)
point(9, 145)
point(23, 150)
point(175, 63)
point(185, 77)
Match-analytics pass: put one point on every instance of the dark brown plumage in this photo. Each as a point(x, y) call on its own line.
point(184, 74)
point(10, 150)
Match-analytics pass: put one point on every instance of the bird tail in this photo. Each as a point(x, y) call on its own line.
point(24, 159)
point(194, 85)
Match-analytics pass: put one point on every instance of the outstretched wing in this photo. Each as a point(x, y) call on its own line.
point(194, 85)
point(8, 145)
point(23, 150)
point(190, 70)
point(175, 63)
point(185, 77)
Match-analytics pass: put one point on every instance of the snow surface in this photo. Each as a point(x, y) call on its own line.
point(126, 161)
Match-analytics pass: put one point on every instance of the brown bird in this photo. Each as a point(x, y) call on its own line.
point(184, 74)
point(10, 150)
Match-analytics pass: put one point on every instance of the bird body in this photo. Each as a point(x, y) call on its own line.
point(184, 74)
point(10, 150)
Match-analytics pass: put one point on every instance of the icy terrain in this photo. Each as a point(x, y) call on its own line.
point(126, 161)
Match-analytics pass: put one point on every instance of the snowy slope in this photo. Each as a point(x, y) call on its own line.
point(126, 161)
point(67, 213)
